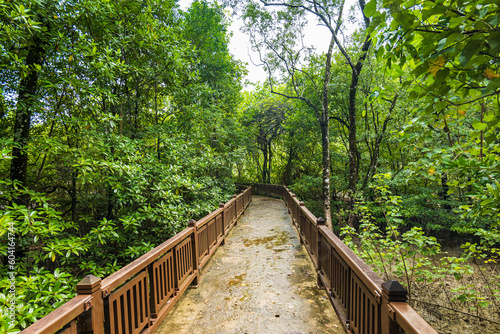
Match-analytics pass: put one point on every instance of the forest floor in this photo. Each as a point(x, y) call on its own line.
point(434, 303)
point(260, 281)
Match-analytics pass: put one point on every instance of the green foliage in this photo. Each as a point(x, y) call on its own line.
point(309, 190)
point(417, 260)
point(451, 52)
point(38, 292)
point(454, 42)
point(132, 132)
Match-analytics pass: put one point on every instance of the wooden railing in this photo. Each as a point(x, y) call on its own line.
point(362, 300)
point(136, 298)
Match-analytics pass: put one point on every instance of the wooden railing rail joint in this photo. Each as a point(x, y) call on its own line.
point(88, 304)
point(392, 313)
point(88, 285)
point(106, 291)
point(377, 296)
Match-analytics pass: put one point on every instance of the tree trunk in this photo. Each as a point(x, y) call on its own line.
point(324, 123)
point(264, 164)
point(353, 148)
point(25, 105)
point(270, 154)
point(373, 162)
point(325, 143)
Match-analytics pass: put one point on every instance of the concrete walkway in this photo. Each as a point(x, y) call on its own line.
point(261, 281)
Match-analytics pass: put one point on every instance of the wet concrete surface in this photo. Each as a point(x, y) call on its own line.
point(261, 281)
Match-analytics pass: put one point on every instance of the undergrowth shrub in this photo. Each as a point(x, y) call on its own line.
point(467, 283)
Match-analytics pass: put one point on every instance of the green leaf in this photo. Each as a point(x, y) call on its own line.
point(441, 43)
point(493, 85)
point(370, 8)
point(494, 41)
point(479, 126)
point(455, 21)
point(489, 139)
point(488, 118)
point(469, 50)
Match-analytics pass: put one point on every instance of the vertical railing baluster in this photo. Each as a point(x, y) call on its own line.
point(319, 222)
point(194, 250)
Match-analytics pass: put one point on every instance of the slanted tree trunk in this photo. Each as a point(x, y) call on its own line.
point(375, 151)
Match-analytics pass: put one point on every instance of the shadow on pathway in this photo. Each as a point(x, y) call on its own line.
point(260, 282)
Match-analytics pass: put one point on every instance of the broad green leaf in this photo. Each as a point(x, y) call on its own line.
point(493, 85)
point(370, 8)
point(494, 41)
point(479, 126)
point(441, 44)
point(490, 138)
point(488, 118)
point(456, 21)
point(470, 50)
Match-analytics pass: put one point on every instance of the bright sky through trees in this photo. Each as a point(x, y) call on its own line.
point(240, 47)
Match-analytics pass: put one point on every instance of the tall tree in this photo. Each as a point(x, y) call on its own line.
point(27, 39)
point(276, 34)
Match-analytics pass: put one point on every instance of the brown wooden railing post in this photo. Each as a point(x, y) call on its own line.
point(287, 199)
point(235, 209)
point(297, 223)
point(221, 206)
point(392, 291)
point(196, 260)
point(93, 320)
point(319, 222)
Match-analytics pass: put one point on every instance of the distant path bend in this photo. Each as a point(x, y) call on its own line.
point(260, 282)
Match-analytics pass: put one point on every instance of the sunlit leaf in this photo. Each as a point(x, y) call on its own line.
point(436, 65)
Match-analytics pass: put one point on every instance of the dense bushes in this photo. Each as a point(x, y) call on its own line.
point(117, 126)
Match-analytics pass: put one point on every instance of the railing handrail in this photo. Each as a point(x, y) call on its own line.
point(178, 262)
point(133, 268)
point(409, 320)
point(361, 269)
point(207, 218)
point(53, 321)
